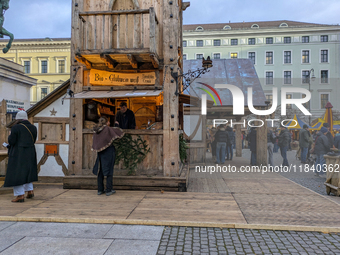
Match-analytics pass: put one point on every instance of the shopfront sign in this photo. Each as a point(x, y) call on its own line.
point(104, 78)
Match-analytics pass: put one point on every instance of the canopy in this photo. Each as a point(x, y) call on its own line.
point(318, 125)
point(116, 94)
point(296, 123)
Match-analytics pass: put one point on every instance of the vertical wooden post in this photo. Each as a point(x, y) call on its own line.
point(76, 105)
point(238, 137)
point(171, 31)
point(152, 30)
point(261, 143)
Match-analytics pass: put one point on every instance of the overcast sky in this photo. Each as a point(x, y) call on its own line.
point(52, 18)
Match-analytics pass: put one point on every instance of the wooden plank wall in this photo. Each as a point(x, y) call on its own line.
point(152, 164)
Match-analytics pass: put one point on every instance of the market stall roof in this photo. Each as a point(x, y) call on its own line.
point(191, 100)
point(117, 94)
point(238, 72)
point(318, 125)
point(300, 123)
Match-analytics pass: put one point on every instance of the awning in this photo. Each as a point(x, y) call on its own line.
point(116, 94)
point(191, 100)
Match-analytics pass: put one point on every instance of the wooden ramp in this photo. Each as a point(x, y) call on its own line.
point(238, 200)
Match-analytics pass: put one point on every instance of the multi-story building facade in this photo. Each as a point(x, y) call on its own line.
point(47, 60)
point(284, 53)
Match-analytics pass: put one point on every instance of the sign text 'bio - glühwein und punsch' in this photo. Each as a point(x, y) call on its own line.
point(104, 78)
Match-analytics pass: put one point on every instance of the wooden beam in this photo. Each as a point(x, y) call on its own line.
point(154, 61)
point(185, 5)
point(51, 120)
point(83, 61)
point(132, 60)
point(93, 13)
point(109, 62)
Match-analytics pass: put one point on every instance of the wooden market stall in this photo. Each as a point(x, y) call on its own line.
point(125, 51)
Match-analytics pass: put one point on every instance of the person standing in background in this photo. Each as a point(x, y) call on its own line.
point(230, 143)
point(284, 140)
point(221, 138)
point(304, 139)
point(22, 167)
point(253, 143)
point(270, 146)
point(125, 118)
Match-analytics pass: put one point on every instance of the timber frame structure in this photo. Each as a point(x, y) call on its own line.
point(130, 37)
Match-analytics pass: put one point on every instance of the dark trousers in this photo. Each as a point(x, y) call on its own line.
point(230, 151)
point(100, 182)
point(253, 158)
point(283, 150)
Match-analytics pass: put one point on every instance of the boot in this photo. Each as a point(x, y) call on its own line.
point(19, 199)
point(30, 194)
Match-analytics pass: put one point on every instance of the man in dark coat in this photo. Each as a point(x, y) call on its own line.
point(284, 139)
point(221, 138)
point(320, 149)
point(22, 167)
point(304, 142)
point(329, 135)
point(230, 143)
point(125, 118)
point(252, 141)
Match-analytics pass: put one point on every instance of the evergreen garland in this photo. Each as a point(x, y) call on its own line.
point(182, 148)
point(131, 151)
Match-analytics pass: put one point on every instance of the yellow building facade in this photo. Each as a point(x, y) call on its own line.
point(47, 60)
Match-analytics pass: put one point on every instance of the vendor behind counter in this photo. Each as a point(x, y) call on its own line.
point(125, 118)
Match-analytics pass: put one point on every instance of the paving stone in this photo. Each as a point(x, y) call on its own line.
point(137, 232)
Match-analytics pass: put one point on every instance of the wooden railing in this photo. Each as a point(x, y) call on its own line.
point(125, 29)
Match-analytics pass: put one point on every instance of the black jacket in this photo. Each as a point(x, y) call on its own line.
point(321, 144)
point(222, 136)
point(252, 139)
point(337, 141)
point(330, 139)
point(126, 120)
point(284, 138)
point(22, 159)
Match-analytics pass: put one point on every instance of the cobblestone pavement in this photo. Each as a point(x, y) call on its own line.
point(192, 240)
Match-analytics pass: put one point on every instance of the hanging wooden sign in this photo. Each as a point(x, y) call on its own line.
point(104, 78)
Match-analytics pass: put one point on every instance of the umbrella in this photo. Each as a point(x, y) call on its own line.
point(296, 123)
point(329, 115)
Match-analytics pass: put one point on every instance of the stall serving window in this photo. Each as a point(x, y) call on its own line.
point(146, 105)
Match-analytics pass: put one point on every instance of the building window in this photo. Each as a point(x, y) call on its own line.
point(305, 39)
point(269, 97)
point(184, 56)
point(217, 42)
point(324, 98)
point(324, 38)
point(43, 92)
point(199, 56)
point(305, 76)
point(199, 28)
point(234, 41)
point(217, 56)
point(184, 43)
point(305, 56)
point(269, 40)
point(251, 55)
point(324, 76)
point(251, 41)
point(287, 57)
point(233, 55)
point(27, 66)
point(269, 58)
point(44, 66)
point(287, 40)
point(289, 96)
point(199, 43)
point(287, 77)
point(269, 78)
point(324, 56)
point(61, 66)
point(306, 105)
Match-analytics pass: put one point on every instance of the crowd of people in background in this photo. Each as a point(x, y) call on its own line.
point(222, 140)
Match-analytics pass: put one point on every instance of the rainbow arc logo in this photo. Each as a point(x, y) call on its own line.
point(209, 93)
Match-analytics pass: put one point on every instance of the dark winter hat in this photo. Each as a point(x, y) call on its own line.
point(324, 130)
point(326, 125)
point(305, 126)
